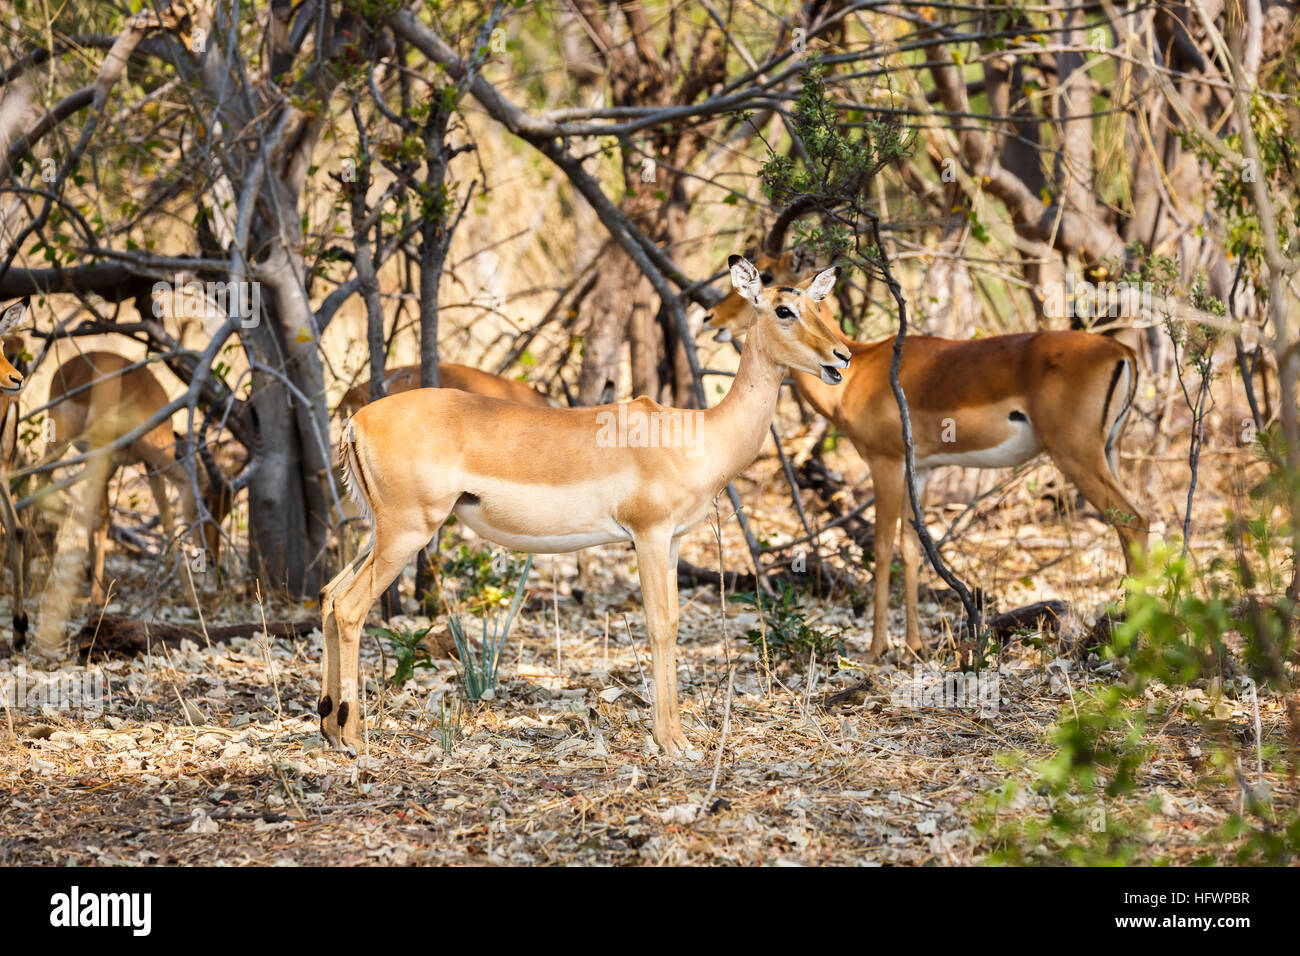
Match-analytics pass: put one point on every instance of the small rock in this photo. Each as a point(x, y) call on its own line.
point(203, 823)
point(681, 814)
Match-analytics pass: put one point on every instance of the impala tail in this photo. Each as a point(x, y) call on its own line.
point(1123, 382)
point(354, 476)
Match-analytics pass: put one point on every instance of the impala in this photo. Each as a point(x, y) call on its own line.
point(986, 403)
point(460, 377)
point(97, 403)
point(551, 480)
point(11, 383)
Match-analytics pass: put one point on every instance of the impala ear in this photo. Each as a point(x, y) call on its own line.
point(13, 315)
point(746, 279)
point(821, 286)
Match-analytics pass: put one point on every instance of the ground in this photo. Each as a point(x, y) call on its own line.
point(211, 754)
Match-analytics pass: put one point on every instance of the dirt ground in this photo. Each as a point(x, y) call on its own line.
point(211, 754)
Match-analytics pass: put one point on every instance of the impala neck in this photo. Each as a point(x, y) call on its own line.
point(733, 431)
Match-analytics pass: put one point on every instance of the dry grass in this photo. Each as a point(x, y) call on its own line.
point(212, 754)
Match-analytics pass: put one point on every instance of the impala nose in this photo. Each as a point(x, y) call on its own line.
point(843, 356)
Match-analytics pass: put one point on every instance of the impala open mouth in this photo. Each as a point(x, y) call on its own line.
point(831, 375)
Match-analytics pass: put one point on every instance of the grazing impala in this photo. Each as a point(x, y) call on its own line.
point(103, 403)
point(460, 377)
point(11, 383)
point(984, 403)
point(550, 480)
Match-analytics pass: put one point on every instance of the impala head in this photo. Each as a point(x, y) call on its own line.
point(731, 317)
point(11, 380)
point(790, 321)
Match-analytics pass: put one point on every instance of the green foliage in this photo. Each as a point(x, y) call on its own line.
point(480, 666)
point(1177, 643)
point(409, 651)
point(482, 577)
point(449, 723)
point(841, 163)
point(786, 633)
point(1234, 188)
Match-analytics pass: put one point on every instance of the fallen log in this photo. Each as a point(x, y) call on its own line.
point(1056, 617)
point(119, 636)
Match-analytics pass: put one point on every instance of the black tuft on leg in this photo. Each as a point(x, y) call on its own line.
point(343, 714)
point(325, 707)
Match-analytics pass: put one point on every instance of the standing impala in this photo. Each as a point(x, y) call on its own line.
point(103, 402)
point(550, 480)
point(11, 383)
point(984, 403)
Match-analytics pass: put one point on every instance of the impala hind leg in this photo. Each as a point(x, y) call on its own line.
point(1091, 474)
point(158, 488)
point(887, 482)
point(911, 547)
point(327, 706)
point(97, 542)
point(344, 605)
point(656, 561)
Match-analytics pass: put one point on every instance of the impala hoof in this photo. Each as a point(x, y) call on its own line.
point(672, 744)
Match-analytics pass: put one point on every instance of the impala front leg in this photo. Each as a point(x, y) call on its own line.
point(17, 552)
point(656, 558)
point(887, 482)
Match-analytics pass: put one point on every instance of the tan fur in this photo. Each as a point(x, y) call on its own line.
point(968, 390)
point(542, 479)
point(11, 384)
point(460, 377)
point(112, 406)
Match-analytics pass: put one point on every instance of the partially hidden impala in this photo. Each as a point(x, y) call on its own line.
point(551, 480)
point(994, 402)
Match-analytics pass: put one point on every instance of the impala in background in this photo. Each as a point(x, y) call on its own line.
point(985, 403)
point(460, 377)
point(96, 398)
point(11, 384)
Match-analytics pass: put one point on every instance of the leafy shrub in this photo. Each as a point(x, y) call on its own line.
point(480, 666)
point(409, 651)
point(786, 633)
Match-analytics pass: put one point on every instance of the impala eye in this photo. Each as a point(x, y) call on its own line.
point(766, 278)
point(783, 313)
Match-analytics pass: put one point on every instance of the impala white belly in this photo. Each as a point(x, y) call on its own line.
point(543, 519)
point(1018, 449)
